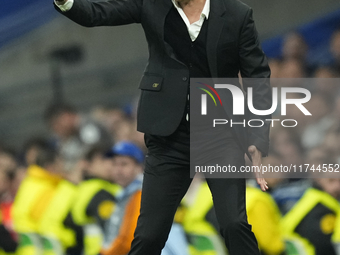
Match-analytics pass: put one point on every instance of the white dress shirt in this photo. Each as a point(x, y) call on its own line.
point(194, 28)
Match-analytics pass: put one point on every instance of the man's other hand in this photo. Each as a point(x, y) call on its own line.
point(256, 157)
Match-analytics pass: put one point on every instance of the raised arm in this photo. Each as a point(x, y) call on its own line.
point(101, 13)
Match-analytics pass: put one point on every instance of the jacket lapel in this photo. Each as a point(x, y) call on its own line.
point(162, 7)
point(215, 26)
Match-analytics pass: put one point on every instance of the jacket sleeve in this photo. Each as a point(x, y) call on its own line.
point(255, 73)
point(104, 13)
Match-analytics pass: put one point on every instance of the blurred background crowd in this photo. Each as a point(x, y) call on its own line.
point(71, 160)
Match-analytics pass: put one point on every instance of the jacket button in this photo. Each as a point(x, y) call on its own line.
point(184, 78)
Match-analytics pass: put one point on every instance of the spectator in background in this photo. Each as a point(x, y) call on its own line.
point(264, 216)
point(317, 155)
point(291, 153)
point(292, 68)
point(7, 242)
point(275, 68)
point(329, 185)
point(285, 143)
point(288, 193)
point(200, 221)
point(331, 145)
point(319, 123)
point(110, 118)
point(335, 49)
point(7, 159)
point(73, 133)
point(294, 53)
point(326, 72)
point(95, 198)
point(286, 150)
point(8, 188)
point(326, 85)
point(33, 197)
point(56, 228)
point(127, 172)
point(294, 47)
point(336, 115)
point(31, 149)
point(124, 130)
point(10, 179)
point(313, 216)
point(120, 125)
point(336, 236)
point(201, 226)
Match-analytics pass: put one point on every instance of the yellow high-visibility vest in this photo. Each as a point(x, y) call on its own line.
point(336, 235)
point(93, 238)
point(302, 208)
point(57, 237)
point(264, 216)
point(262, 212)
point(203, 238)
point(31, 201)
point(86, 191)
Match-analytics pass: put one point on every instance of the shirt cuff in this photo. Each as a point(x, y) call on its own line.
point(66, 6)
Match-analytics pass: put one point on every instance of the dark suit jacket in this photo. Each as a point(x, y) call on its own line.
point(232, 46)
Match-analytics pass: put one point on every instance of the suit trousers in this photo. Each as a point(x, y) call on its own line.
point(167, 179)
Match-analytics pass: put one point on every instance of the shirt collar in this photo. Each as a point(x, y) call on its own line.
point(205, 11)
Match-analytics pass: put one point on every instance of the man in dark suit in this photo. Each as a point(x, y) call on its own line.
point(186, 39)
